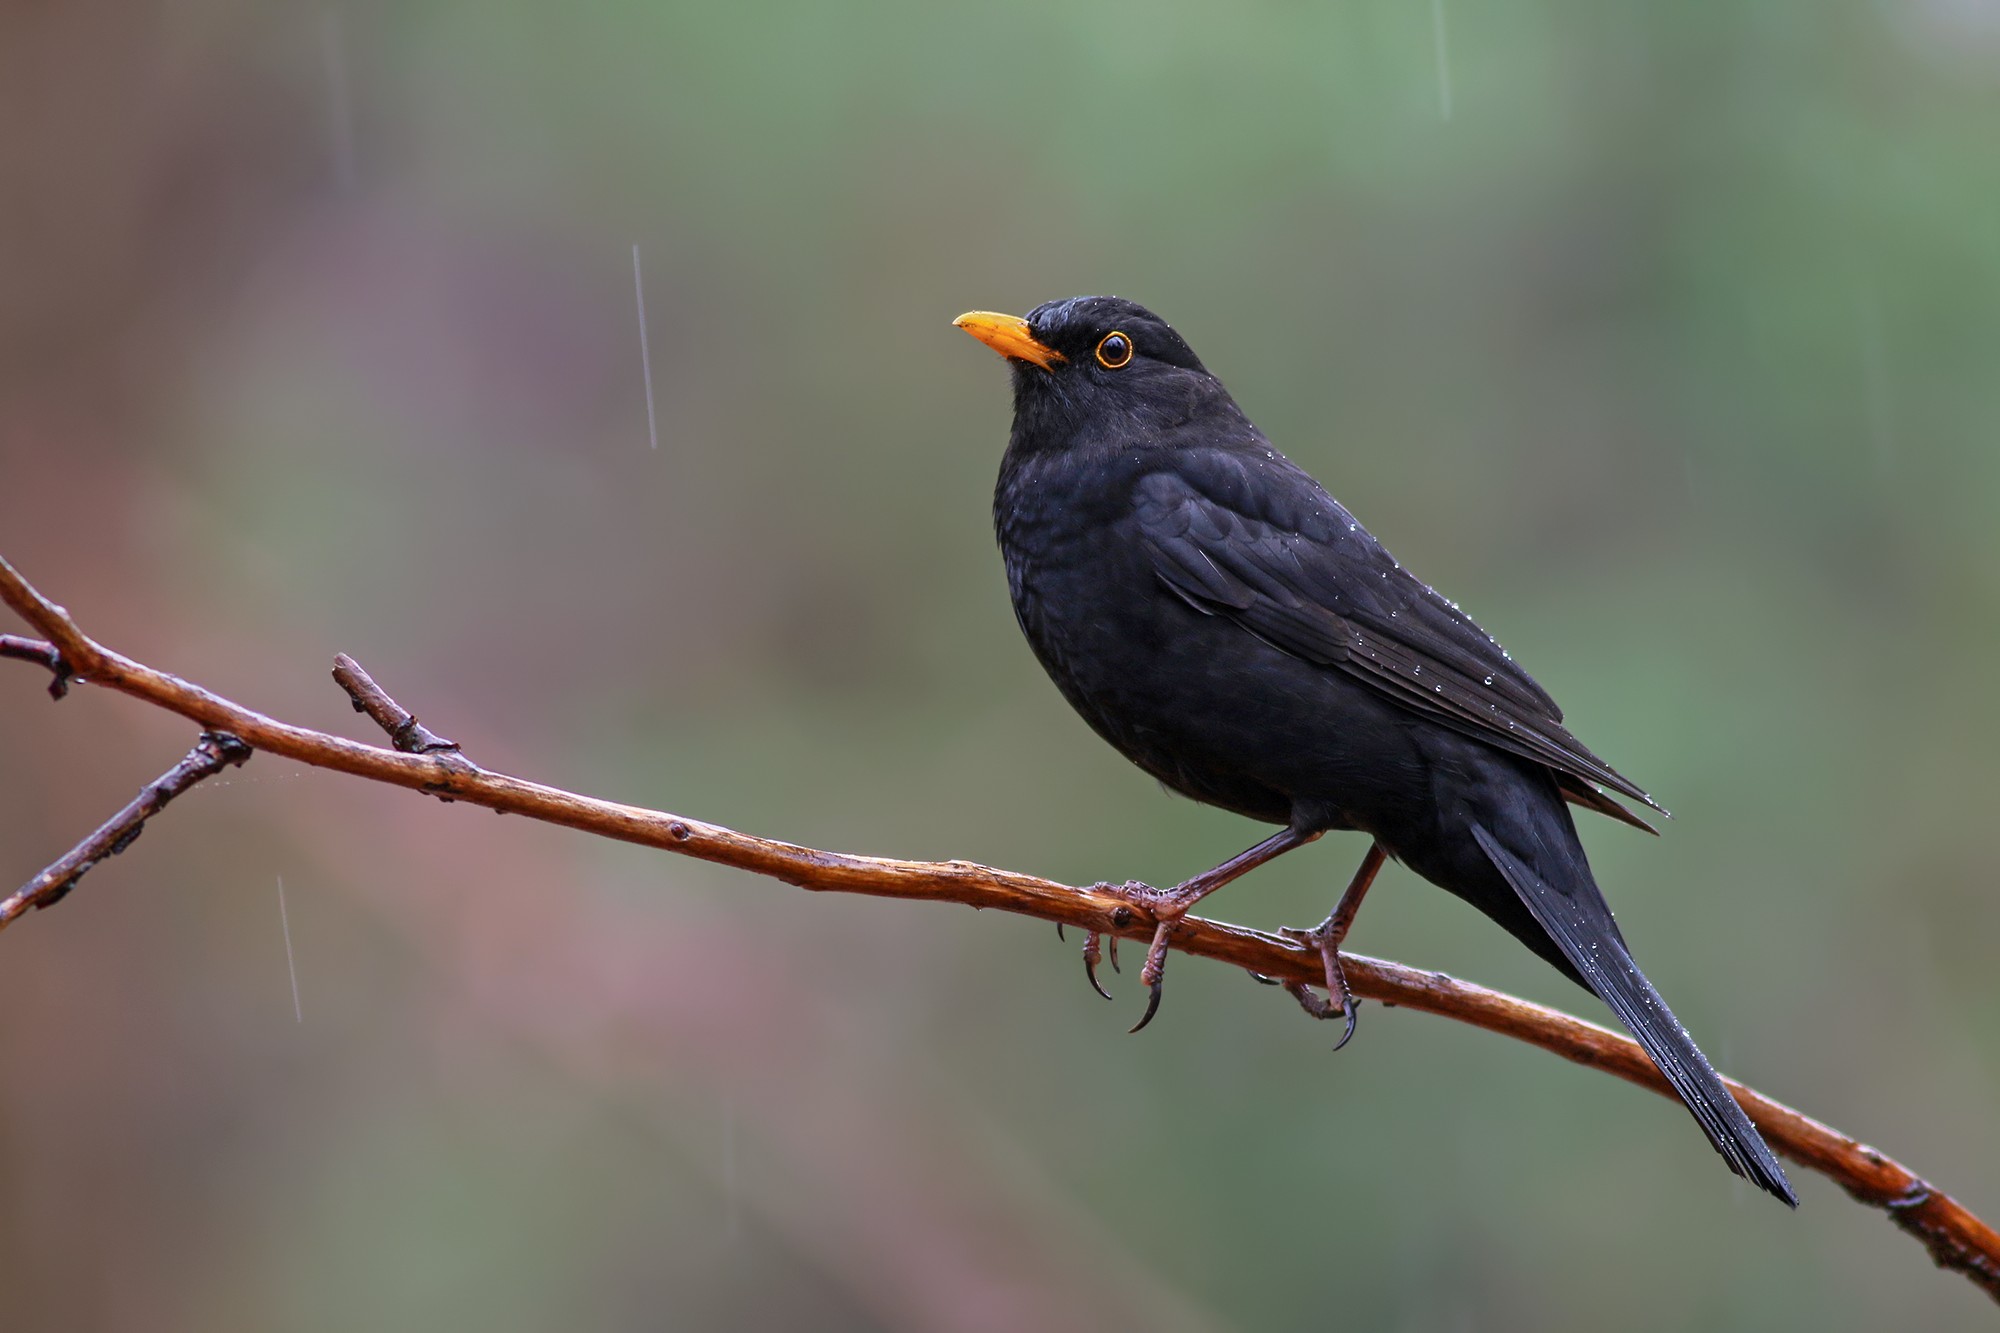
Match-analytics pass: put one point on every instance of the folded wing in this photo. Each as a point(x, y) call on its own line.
point(1315, 584)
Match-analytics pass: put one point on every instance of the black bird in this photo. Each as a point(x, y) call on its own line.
point(1219, 618)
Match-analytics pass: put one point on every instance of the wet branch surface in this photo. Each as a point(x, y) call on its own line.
point(423, 761)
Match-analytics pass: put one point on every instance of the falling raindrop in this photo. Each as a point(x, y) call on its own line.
point(291, 965)
point(645, 356)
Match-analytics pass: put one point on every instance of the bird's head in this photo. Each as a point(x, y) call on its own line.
point(1085, 365)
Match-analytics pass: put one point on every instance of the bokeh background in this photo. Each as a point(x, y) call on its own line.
point(1664, 337)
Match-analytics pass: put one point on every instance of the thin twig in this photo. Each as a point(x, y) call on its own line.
point(405, 732)
point(1955, 1238)
point(34, 650)
point(215, 751)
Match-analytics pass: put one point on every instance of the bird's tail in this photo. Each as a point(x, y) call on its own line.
point(1580, 924)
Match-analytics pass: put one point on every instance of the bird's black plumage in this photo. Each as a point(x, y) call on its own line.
point(1226, 624)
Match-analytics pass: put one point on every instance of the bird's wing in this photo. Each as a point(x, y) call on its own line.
point(1255, 539)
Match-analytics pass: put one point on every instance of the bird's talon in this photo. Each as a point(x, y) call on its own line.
point(1337, 1002)
point(1351, 1009)
point(1153, 974)
point(1091, 955)
point(1152, 1006)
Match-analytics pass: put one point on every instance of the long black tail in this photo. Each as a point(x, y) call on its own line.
point(1581, 926)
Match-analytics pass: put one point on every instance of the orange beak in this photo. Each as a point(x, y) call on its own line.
point(1009, 336)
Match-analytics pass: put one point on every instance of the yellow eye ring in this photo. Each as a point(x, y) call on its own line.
point(1114, 351)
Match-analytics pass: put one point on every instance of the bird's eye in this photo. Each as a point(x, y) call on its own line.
point(1113, 351)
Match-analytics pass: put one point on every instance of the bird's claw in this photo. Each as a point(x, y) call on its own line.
point(1350, 1010)
point(1154, 973)
point(1338, 1000)
point(1100, 945)
point(1091, 954)
point(1152, 1005)
point(1322, 1007)
point(1353, 1010)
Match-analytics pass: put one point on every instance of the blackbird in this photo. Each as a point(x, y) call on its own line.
point(1231, 629)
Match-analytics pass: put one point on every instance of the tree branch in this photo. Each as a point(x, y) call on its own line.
point(405, 732)
point(423, 761)
point(215, 751)
point(34, 650)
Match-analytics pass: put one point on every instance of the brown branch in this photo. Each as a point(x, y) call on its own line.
point(405, 732)
point(34, 650)
point(215, 751)
point(1955, 1238)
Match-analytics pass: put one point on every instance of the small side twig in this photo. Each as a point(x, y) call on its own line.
point(215, 751)
point(405, 732)
point(34, 650)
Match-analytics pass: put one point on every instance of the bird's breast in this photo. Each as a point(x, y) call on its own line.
point(1132, 658)
point(1193, 698)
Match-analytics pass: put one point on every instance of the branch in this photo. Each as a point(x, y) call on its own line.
point(215, 751)
point(34, 650)
point(405, 732)
point(423, 761)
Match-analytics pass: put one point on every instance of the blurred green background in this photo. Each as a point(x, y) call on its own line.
point(1663, 337)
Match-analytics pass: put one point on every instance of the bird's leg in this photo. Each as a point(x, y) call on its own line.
point(1326, 937)
point(1168, 906)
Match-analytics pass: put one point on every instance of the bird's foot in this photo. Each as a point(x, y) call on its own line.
point(1166, 908)
point(1338, 1002)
